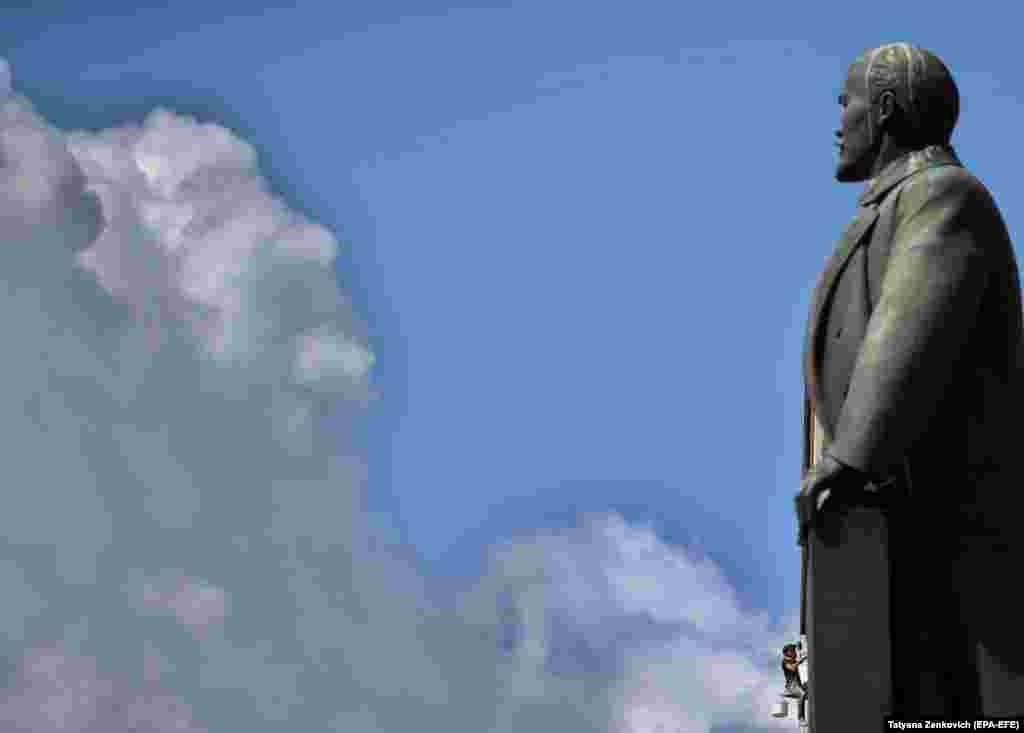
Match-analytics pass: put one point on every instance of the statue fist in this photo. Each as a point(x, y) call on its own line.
point(822, 482)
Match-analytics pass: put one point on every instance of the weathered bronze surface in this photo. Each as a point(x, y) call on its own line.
point(914, 365)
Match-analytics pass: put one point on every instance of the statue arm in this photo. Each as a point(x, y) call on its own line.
point(930, 294)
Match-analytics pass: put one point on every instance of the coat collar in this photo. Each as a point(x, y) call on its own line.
point(907, 165)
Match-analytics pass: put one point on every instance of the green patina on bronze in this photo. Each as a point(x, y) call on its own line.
point(914, 366)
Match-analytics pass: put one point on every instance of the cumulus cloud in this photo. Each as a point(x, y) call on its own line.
point(197, 605)
point(186, 547)
point(683, 654)
point(59, 691)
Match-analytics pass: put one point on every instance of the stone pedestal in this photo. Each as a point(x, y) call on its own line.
point(848, 622)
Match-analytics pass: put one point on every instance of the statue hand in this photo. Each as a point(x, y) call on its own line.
point(827, 477)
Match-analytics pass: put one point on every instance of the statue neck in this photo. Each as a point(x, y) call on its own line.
point(889, 152)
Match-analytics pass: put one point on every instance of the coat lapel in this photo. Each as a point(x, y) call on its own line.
point(858, 229)
point(854, 235)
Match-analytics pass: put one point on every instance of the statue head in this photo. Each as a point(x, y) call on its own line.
point(897, 98)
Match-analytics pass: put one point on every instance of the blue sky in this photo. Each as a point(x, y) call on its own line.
point(578, 241)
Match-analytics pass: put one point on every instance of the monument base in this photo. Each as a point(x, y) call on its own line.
point(848, 621)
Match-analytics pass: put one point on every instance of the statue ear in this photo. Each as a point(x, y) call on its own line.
point(886, 106)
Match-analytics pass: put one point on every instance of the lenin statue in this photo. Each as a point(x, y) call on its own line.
point(910, 507)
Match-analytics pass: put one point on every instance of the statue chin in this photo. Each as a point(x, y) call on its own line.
point(846, 173)
point(853, 170)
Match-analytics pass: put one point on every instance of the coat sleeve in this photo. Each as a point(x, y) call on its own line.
point(929, 299)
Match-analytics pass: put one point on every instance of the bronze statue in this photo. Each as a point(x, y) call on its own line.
point(914, 365)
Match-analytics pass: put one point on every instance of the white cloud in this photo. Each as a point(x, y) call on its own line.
point(196, 604)
point(59, 691)
point(323, 356)
point(21, 601)
point(174, 337)
point(687, 656)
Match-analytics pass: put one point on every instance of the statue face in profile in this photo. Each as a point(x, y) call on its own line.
point(896, 99)
point(856, 148)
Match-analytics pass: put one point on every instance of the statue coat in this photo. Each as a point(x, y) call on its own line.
point(913, 371)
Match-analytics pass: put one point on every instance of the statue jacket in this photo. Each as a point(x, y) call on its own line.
point(913, 353)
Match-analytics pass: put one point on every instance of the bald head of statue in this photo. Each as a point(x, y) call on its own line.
point(897, 98)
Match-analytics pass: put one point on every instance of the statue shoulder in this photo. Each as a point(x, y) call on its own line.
point(948, 190)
